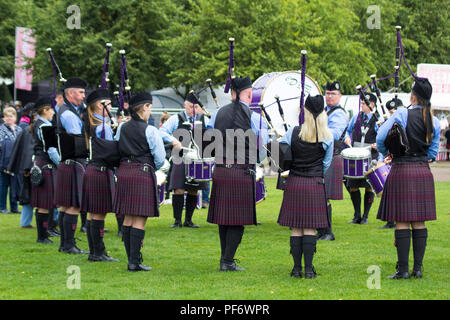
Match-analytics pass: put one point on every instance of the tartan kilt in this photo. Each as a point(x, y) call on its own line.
point(69, 183)
point(333, 179)
point(408, 194)
point(232, 199)
point(177, 179)
point(136, 191)
point(98, 190)
point(42, 196)
point(304, 203)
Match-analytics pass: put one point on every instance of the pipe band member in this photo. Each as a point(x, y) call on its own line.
point(408, 196)
point(73, 151)
point(47, 159)
point(142, 152)
point(178, 183)
point(304, 206)
point(232, 203)
point(98, 179)
point(365, 137)
point(337, 122)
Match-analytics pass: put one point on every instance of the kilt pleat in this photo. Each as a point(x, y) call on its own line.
point(42, 196)
point(304, 203)
point(98, 190)
point(69, 184)
point(232, 200)
point(333, 179)
point(408, 194)
point(136, 191)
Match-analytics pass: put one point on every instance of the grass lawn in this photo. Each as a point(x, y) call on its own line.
point(186, 261)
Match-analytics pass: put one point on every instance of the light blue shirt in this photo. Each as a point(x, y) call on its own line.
point(401, 117)
point(256, 122)
point(109, 135)
point(351, 127)
point(337, 121)
point(167, 129)
point(326, 144)
point(70, 122)
point(52, 151)
point(155, 143)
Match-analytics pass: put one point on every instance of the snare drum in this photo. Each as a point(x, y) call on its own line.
point(260, 187)
point(356, 162)
point(377, 178)
point(161, 178)
point(198, 169)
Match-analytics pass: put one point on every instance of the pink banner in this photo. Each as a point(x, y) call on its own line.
point(24, 50)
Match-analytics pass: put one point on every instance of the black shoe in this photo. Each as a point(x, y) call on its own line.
point(310, 273)
point(44, 241)
point(190, 224)
point(355, 221)
point(399, 275)
point(119, 234)
point(327, 236)
point(138, 267)
point(103, 257)
point(364, 221)
point(61, 249)
point(75, 250)
point(4, 211)
point(83, 229)
point(225, 266)
point(297, 273)
point(177, 224)
point(14, 211)
point(52, 233)
point(417, 273)
point(389, 225)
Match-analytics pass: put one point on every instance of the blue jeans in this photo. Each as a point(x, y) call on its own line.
point(13, 183)
point(27, 215)
point(205, 193)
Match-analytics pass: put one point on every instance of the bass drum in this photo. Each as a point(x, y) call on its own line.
point(287, 86)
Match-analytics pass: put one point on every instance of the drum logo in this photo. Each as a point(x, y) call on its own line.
point(291, 81)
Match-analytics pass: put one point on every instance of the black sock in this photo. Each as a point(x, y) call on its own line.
point(119, 219)
point(70, 226)
point(309, 248)
point(419, 237)
point(297, 251)
point(61, 228)
point(42, 225)
point(177, 205)
point(356, 201)
point(369, 196)
point(126, 239)
point(223, 240)
point(403, 243)
point(234, 237)
point(97, 232)
point(51, 222)
point(89, 236)
point(136, 242)
point(83, 216)
point(191, 203)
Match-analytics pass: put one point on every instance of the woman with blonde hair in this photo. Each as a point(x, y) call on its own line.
point(304, 206)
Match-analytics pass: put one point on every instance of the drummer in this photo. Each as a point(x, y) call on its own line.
point(177, 181)
point(337, 123)
point(364, 137)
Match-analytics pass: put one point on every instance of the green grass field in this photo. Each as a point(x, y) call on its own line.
point(186, 261)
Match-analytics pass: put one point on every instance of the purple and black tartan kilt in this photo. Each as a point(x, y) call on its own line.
point(136, 191)
point(333, 179)
point(98, 190)
point(69, 183)
point(177, 179)
point(232, 200)
point(304, 203)
point(42, 196)
point(408, 194)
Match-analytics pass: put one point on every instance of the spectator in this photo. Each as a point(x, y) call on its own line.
point(8, 134)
